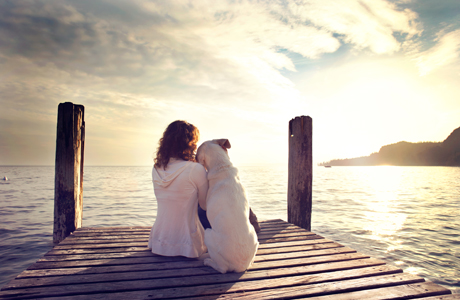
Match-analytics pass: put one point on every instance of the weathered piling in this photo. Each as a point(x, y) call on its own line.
point(300, 172)
point(68, 185)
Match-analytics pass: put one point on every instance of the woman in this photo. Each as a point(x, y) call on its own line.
point(179, 184)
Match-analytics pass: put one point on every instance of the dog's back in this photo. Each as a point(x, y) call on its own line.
point(232, 241)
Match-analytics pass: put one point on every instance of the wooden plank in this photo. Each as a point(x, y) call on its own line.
point(105, 230)
point(189, 271)
point(109, 233)
point(101, 259)
point(264, 289)
point(318, 289)
point(45, 280)
point(110, 270)
point(104, 241)
point(111, 228)
point(189, 286)
point(442, 297)
point(103, 238)
point(265, 245)
point(109, 245)
point(272, 224)
point(265, 226)
point(408, 291)
point(282, 226)
point(282, 244)
point(140, 238)
point(293, 246)
point(43, 263)
point(140, 242)
point(275, 226)
point(178, 267)
point(160, 262)
point(307, 247)
point(303, 254)
point(92, 238)
point(281, 230)
point(98, 256)
point(78, 254)
point(294, 238)
point(55, 251)
point(269, 236)
point(177, 272)
point(272, 221)
point(309, 261)
point(80, 234)
point(145, 233)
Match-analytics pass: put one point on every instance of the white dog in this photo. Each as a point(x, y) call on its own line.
point(232, 241)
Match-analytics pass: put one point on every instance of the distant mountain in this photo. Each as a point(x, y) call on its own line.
point(446, 153)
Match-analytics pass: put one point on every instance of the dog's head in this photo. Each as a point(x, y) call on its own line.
point(213, 152)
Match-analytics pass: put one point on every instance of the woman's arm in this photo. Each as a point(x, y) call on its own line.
point(202, 193)
point(199, 177)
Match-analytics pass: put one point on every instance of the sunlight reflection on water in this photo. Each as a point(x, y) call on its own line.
point(398, 214)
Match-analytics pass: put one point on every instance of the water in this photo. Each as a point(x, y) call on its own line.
point(406, 216)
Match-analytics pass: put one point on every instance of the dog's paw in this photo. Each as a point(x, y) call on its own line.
point(210, 263)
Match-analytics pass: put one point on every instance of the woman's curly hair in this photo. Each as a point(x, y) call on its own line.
point(179, 140)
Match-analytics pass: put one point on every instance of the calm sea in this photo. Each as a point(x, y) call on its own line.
point(407, 216)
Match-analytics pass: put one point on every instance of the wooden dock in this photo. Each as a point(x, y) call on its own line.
point(291, 263)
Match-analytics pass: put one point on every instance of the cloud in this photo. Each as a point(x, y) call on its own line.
point(50, 32)
point(199, 44)
point(137, 64)
point(367, 24)
point(445, 52)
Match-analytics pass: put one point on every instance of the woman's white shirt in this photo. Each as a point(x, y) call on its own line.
point(178, 189)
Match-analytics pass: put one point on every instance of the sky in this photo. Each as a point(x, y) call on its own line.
point(368, 72)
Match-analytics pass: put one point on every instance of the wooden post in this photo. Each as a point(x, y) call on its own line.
point(300, 172)
point(68, 180)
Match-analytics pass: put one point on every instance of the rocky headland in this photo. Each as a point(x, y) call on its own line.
point(445, 153)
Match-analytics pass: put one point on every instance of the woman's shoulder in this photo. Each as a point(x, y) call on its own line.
point(197, 169)
point(197, 166)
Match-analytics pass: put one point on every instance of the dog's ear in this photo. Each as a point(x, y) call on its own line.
point(225, 143)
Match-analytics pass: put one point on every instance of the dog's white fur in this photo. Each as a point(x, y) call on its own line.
point(232, 241)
